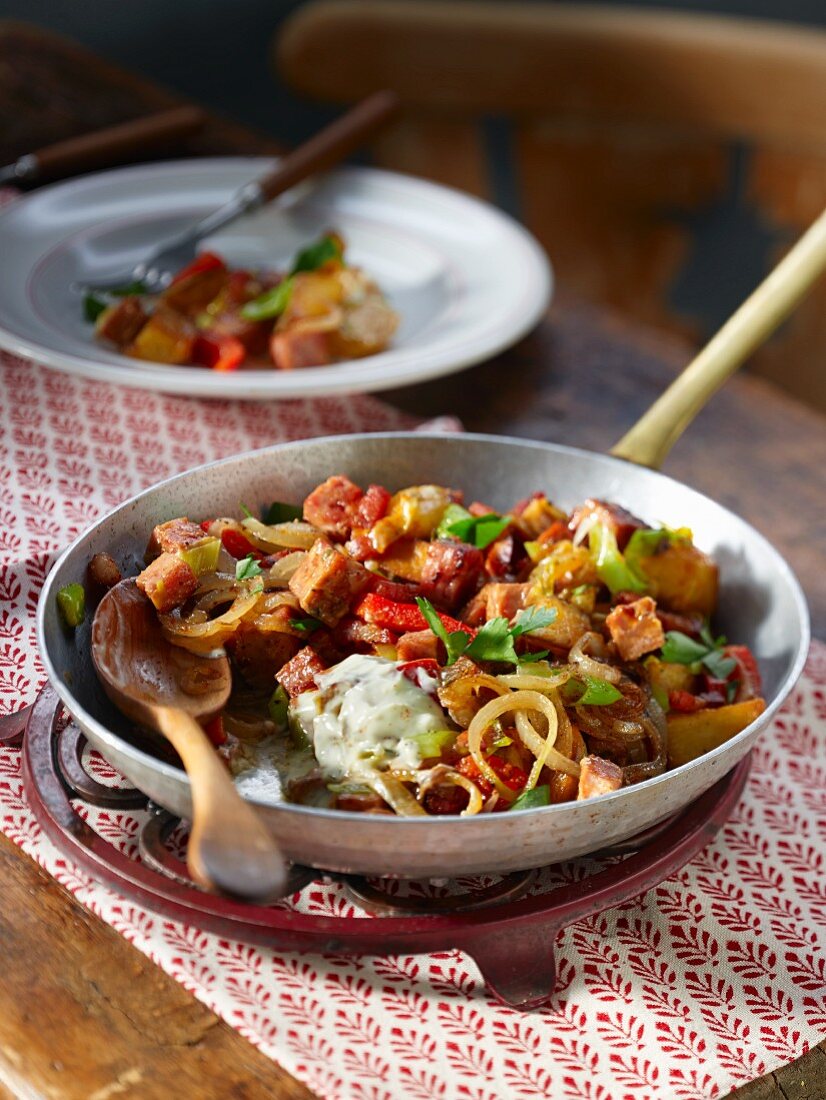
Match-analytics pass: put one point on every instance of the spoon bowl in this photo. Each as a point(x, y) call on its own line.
point(169, 689)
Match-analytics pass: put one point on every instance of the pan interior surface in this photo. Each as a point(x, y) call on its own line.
point(760, 605)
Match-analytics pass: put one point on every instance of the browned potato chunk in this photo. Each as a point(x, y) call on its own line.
point(566, 629)
point(165, 338)
point(682, 578)
point(667, 676)
point(692, 735)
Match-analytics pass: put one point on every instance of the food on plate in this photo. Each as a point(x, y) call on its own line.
point(413, 653)
point(322, 310)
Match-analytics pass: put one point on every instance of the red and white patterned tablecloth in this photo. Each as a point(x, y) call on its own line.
point(710, 980)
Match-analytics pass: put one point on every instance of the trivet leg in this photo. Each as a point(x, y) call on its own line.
point(518, 964)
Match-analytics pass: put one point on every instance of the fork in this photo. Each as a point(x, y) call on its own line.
point(320, 153)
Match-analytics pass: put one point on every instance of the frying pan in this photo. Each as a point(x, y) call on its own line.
point(761, 604)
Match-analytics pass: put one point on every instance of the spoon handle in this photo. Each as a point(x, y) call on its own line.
point(230, 849)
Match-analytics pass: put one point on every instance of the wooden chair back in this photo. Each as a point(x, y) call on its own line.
point(664, 160)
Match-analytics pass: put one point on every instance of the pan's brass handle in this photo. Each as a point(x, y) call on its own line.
point(656, 432)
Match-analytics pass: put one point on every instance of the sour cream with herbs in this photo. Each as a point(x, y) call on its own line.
point(365, 715)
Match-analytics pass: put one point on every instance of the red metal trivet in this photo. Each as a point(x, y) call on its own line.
point(510, 934)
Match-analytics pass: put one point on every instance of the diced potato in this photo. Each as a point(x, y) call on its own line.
point(682, 578)
point(568, 626)
point(366, 328)
point(194, 292)
point(537, 516)
point(692, 735)
point(406, 560)
point(666, 676)
point(415, 512)
point(165, 338)
point(313, 294)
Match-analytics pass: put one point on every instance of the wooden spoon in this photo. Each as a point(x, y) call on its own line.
point(167, 689)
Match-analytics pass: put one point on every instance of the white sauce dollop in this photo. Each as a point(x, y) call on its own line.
point(365, 715)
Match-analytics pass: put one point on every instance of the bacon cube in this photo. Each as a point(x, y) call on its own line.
point(451, 572)
point(597, 776)
point(168, 582)
point(299, 674)
point(327, 582)
point(418, 645)
point(333, 506)
point(174, 535)
point(635, 628)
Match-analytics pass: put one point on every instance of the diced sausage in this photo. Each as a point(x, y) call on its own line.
point(598, 776)
point(259, 654)
point(297, 348)
point(504, 600)
point(635, 628)
point(122, 321)
point(475, 612)
point(333, 506)
point(327, 582)
point(103, 572)
point(168, 582)
point(299, 674)
point(451, 572)
point(616, 518)
point(372, 506)
point(176, 534)
point(353, 634)
point(398, 591)
point(418, 645)
point(506, 557)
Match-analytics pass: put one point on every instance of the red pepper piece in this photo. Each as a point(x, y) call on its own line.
point(222, 353)
point(409, 668)
point(684, 702)
point(206, 524)
point(747, 672)
point(214, 729)
point(206, 261)
point(238, 545)
point(402, 618)
point(511, 775)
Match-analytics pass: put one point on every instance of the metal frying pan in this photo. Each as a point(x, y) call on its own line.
point(761, 604)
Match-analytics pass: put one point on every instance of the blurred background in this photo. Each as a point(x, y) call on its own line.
point(665, 158)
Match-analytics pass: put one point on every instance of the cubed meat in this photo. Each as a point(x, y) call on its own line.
point(506, 558)
point(103, 572)
point(418, 645)
point(398, 591)
point(474, 612)
point(333, 507)
point(598, 776)
point(451, 572)
point(504, 600)
point(121, 322)
point(253, 335)
point(327, 582)
point(353, 634)
point(372, 506)
point(614, 516)
point(168, 582)
point(258, 655)
point(197, 285)
point(299, 674)
point(172, 536)
point(297, 348)
point(635, 628)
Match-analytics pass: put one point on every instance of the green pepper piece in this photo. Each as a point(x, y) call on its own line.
point(71, 602)
point(270, 304)
point(277, 707)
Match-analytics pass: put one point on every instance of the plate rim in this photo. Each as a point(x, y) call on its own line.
point(324, 381)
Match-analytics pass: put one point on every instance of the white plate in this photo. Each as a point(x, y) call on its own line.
point(467, 280)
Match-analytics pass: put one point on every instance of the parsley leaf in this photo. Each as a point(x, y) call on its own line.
point(533, 799)
point(679, 649)
point(320, 252)
point(278, 512)
point(533, 618)
point(478, 531)
point(455, 642)
point(247, 568)
point(494, 642)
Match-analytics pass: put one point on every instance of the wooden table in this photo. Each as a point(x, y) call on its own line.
point(85, 1016)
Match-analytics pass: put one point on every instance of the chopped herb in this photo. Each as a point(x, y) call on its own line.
point(245, 510)
point(278, 512)
point(93, 306)
point(598, 693)
point(501, 742)
point(679, 649)
point(71, 603)
point(270, 304)
point(533, 799)
point(96, 301)
point(533, 658)
point(247, 568)
point(494, 641)
point(306, 625)
point(315, 255)
point(278, 706)
point(732, 687)
point(478, 531)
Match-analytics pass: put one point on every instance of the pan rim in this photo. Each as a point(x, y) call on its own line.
point(175, 774)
